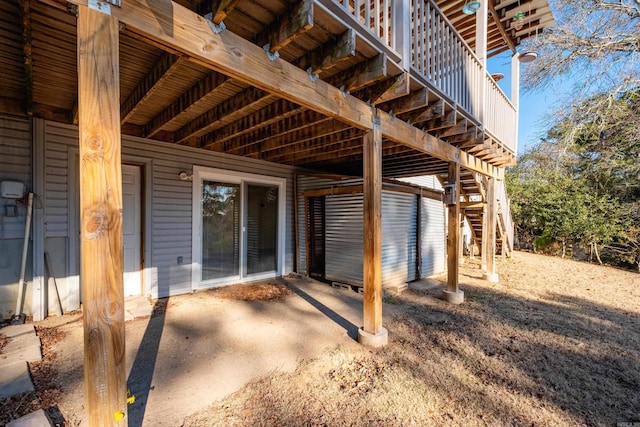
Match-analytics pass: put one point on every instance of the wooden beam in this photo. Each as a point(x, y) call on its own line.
point(318, 146)
point(198, 92)
point(27, 50)
point(13, 106)
point(221, 8)
point(387, 89)
point(372, 189)
point(331, 53)
point(503, 33)
point(250, 123)
point(228, 53)
point(289, 136)
point(413, 101)
point(292, 25)
point(433, 111)
point(365, 73)
point(453, 234)
point(231, 109)
point(490, 222)
point(161, 70)
point(101, 219)
point(457, 129)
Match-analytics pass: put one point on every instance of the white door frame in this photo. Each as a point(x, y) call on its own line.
point(73, 264)
point(233, 177)
point(133, 282)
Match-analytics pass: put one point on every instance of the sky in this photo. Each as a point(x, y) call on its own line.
point(535, 107)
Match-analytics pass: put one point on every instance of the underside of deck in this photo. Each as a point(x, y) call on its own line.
point(169, 96)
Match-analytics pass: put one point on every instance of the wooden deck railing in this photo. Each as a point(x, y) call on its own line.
point(439, 55)
point(500, 116)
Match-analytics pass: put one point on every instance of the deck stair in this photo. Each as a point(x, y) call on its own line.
point(474, 198)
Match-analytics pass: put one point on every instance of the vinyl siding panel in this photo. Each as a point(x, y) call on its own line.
point(15, 165)
point(171, 199)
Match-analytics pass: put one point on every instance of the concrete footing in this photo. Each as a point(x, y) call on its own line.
point(491, 277)
point(373, 340)
point(453, 297)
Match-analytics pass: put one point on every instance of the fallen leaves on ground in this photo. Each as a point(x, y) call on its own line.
point(252, 292)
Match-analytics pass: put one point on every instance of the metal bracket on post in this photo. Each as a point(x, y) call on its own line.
point(216, 28)
point(272, 56)
point(312, 76)
point(377, 122)
point(345, 93)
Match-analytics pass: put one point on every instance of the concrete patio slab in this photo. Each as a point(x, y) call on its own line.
point(23, 347)
point(15, 331)
point(204, 348)
point(14, 378)
point(136, 306)
point(35, 419)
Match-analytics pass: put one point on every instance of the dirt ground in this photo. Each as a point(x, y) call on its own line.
point(554, 343)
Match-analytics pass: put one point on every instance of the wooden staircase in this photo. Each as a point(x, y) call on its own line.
point(474, 195)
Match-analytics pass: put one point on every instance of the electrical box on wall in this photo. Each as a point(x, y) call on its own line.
point(450, 194)
point(11, 189)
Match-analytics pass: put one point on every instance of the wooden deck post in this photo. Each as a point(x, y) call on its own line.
point(101, 218)
point(372, 333)
point(490, 223)
point(453, 294)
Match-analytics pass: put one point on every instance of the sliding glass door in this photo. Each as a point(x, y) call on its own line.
point(238, 227)
point(262, 225)
point(220, 230)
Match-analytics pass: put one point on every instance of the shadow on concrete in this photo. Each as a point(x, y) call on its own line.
point(141, 374)
point(352, 330)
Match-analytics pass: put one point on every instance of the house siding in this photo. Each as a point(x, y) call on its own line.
point(15, 165)
point(169, 199)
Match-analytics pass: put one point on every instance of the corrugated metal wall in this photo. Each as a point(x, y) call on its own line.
point(399, 232)
point(343, 239)
point(171, 203)
point(15, 165)
point(432, 237)
point(427, 181)
point(306, 183)
point(344, 234)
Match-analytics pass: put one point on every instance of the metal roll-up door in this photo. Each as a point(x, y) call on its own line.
point(399, 246)
point(432, 237)
point(343, 239)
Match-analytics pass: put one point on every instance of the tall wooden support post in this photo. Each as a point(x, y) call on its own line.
point(372, 333)
point(453, 294)
point(485, 240)
point(490, 223)
point(515, 92)
point(101, 218)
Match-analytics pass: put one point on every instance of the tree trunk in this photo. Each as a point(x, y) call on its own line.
point(564, 248)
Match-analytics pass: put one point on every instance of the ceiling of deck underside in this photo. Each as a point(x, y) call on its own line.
point(170, 99)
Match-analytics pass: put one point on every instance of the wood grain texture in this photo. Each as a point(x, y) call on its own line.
point(172, 27)
point(372, 189)
point(101, 218)
point(453, 231)
point(490, 224)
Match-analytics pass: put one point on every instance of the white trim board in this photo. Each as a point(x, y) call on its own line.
point(233, 177)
